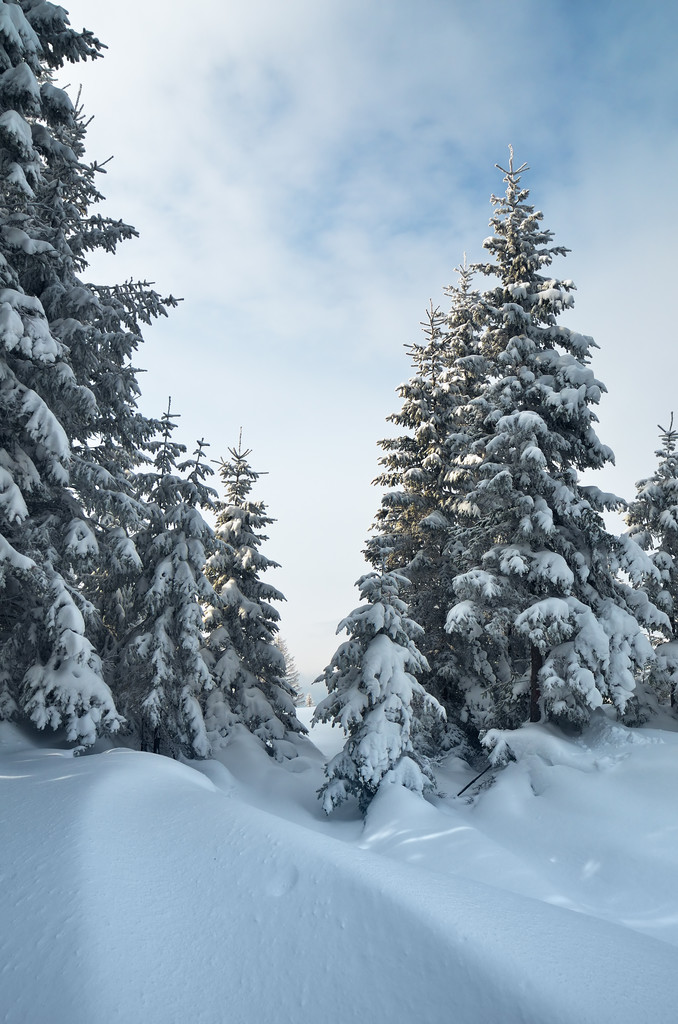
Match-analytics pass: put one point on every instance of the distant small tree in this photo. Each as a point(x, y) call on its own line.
point(291, 671)
point(375, 698)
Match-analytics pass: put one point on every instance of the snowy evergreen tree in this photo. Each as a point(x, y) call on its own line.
point(101, 328)
point(71, 433)
point(412, 521)
point(653, 518)
point(415, 463)
point(550, 623)
point(418, 515)
point(162, 679)
point(49, 669)
point(375, 697)
point(247, 666)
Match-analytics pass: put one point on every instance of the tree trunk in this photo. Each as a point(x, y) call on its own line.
point(535, 691)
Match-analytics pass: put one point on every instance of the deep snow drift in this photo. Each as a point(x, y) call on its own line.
point(138, 889)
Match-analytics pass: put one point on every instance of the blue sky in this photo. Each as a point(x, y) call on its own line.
point(307, 175)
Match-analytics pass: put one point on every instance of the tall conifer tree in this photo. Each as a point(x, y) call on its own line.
point(71, 432)
point(48, 666)
point(417, 519)
point(543, 600)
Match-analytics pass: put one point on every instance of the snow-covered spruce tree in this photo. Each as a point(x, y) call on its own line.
point(375, 697)
point(101, 328)
point(248, 668)
point(543, 603)
point(410, 519)
point(417, 517)
point(162, 678)
point(49, 669)
point(653, 518)
point(69, 392)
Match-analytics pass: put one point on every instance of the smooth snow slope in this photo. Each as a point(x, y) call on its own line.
point(137, 889)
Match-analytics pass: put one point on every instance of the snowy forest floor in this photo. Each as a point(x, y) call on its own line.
point(138, 889)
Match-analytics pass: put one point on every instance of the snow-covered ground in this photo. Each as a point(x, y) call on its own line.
point(137, 889)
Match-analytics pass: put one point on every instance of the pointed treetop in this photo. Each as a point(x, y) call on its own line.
point(168, 416)
point(238, 454)
point(669, 436)
point(165, 457)
point(511, 174)
point(465, 273)
point(515, 197)
point(237, 474)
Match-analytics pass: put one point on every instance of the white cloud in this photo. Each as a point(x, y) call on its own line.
point(308, 174)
